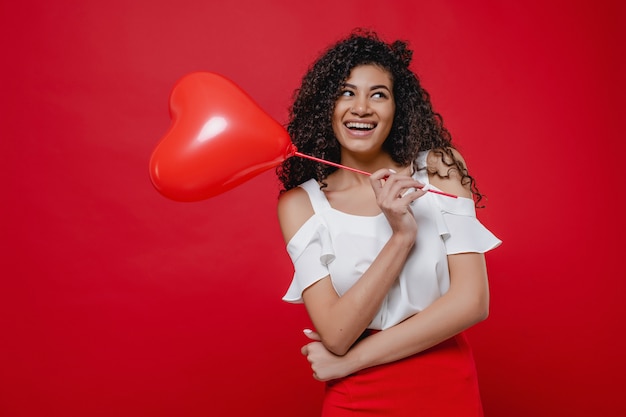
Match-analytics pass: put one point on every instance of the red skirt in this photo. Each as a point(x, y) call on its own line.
point(440, 381)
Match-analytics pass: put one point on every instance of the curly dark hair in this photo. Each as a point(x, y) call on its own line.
point(416, 126)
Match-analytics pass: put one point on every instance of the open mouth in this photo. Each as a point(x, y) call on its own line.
point(359, 126)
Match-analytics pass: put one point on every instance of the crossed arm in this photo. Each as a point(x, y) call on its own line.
point(465, 304)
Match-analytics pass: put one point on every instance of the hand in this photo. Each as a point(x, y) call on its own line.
point(394, 195)
point(325, 365)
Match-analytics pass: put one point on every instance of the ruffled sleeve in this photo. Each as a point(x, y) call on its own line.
point(459, 228)
point(311, 251)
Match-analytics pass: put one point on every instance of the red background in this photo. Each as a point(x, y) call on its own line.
point(115, 301)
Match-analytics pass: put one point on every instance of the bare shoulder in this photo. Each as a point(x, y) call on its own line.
point(294, 209)
point(444, 174)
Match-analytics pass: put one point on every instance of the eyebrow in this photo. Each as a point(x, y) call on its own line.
point(374, 87)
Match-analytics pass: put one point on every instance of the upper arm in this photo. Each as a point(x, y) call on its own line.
point(468, 279)
point(468, 271)
point(445, 176)
point(294, 209)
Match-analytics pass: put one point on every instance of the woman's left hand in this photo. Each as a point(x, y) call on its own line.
point(324, 364)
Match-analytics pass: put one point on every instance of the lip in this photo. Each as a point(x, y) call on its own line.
point(360, 133)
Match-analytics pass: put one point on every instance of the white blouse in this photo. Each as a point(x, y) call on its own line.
point(344, 246)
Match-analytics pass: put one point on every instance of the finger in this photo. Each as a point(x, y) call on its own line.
point(305, 350)
point(312, 335)
point(399, 187)
point(414, 195)
point(396, 189)
point(382, 174)
point(379, 177)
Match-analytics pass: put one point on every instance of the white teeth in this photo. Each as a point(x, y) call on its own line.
point(355, 125)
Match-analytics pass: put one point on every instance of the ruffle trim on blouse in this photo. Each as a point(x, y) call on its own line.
point(311, 250)
point(313, 232)
point(459, 228)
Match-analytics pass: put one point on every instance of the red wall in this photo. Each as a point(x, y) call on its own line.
point(115, 301)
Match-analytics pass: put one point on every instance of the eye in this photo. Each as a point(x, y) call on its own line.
point(379, 94)
point(346, 93)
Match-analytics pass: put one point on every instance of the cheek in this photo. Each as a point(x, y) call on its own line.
point(388, 115)
point(337, 118)
point(392, 112)
point(340, 109)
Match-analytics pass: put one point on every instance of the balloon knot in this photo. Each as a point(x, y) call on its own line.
point(291, 150)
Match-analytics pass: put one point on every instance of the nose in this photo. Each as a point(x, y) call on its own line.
point(360, 106)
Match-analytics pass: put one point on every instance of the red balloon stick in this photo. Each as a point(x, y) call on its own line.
point(323, 161)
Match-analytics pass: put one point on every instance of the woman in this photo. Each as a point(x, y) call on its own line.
point(390, 273)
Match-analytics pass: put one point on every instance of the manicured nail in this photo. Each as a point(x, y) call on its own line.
point(392, 171)
point(307, 331)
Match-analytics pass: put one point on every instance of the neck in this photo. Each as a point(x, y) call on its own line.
point(346, 178)
point(369, 164)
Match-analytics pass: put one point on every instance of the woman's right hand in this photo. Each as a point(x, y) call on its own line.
point(394, 195)
point(324, 364)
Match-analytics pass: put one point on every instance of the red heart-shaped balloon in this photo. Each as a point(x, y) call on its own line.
point(218, 139)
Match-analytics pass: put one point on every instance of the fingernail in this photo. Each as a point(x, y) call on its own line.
point(392, 171)
point(307, 331)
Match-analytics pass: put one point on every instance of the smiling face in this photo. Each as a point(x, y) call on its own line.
point(364, 111)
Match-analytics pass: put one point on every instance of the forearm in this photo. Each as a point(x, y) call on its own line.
point(416, 334)
point(465, 304)
point(341, 321)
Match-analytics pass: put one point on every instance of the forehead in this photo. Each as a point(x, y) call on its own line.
point(369, 74)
